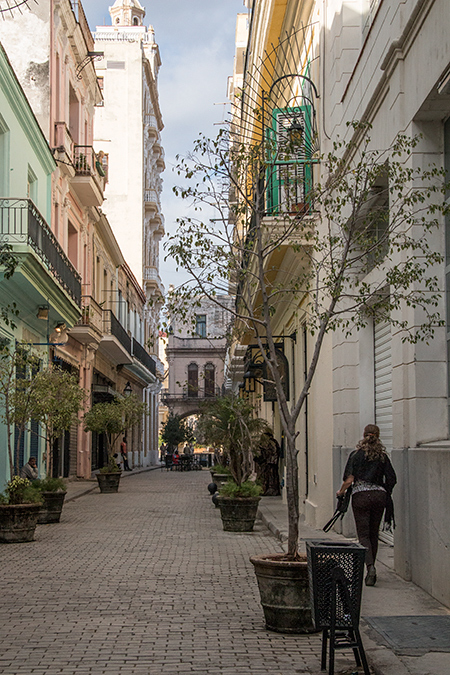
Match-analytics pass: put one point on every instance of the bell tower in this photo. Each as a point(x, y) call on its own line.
point(127, 13)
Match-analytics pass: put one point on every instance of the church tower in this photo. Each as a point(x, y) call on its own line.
point(127, 13)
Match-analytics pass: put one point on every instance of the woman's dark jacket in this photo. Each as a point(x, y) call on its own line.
point(376, 471)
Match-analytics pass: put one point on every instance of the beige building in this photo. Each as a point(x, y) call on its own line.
point(195, 354)
point(387, 64)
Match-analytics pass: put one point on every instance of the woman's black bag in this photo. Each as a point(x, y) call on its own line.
point(341, 509)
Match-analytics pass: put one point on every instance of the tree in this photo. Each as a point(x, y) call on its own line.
point(360, 246)
point(113, 419)
point(57, 399)
point(18, 368)
point(230, 422)
point(176, 431)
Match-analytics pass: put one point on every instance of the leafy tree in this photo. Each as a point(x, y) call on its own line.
point(230, 422)
point(18, 367)
point(175, 431)
point(360, 248)
point(113, 419)
point(57, 399)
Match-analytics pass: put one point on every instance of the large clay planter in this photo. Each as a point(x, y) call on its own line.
point(18, 522)
point(284, 591)
point(239, 514)
point(109, 482)
point(51, 507)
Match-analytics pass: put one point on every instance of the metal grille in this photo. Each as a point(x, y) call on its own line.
point(323, 557)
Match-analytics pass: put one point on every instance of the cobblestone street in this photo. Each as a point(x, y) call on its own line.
point(142, 582)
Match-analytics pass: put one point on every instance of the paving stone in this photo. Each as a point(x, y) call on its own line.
point(143, 582)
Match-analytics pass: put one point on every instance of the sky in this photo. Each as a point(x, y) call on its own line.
point(196, 41)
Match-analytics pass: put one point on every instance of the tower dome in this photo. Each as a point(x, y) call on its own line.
point(127, 13)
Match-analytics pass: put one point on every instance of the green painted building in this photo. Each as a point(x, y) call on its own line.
point(45, 287)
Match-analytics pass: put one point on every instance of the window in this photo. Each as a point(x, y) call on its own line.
point(289, 177)
point(135, 21)
point(209, 380)
point(72, 244)
point(200, 325)
point(192, 380)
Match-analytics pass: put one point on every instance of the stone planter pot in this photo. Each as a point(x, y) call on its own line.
point(18, 522)
point(109, 482)
point(239, 514)
point(50, 511)
point(284, 591)
point(220, 478)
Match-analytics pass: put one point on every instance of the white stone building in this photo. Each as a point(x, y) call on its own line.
point(128, 129)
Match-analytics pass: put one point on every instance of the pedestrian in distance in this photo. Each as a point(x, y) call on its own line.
point(30, 470)
point(124, 453)
point(371, 476)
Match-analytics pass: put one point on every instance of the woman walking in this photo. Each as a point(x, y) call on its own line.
point(370, 472)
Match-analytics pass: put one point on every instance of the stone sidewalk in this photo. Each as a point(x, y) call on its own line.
point(146, 582)
point(143, 582)
point(392, 599)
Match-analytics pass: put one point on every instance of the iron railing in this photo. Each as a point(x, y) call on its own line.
point(112, 326)
point(21, 223)
point(142, 356)
point(196, 395)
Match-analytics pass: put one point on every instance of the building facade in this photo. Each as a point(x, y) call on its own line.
point(195, 353)
point(386, 64)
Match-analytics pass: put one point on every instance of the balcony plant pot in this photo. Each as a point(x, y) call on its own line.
point(284, 591)
point(18, 522)
point(238, 514)
point(51, 507)
point(109, 482)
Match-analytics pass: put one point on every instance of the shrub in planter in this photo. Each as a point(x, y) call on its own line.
point(19, 508)
point(53, 492)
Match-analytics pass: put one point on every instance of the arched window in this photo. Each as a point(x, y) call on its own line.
point(209, 380)
point(135, 21)
point(193, 380)
point(117, 20)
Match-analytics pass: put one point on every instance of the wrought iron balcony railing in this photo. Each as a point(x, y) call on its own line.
point(87, 163)
point(21, 223)
point(190, 394)
point(142, 356)
point(112, 326)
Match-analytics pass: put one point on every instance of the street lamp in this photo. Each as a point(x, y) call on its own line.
point(128, 390)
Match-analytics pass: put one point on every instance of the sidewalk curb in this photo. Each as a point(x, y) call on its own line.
point(281, 536)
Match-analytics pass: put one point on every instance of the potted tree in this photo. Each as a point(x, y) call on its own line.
point(19, 505)
point(57, 400)
point(231, 422)
point(325, 267)
point(112, 419)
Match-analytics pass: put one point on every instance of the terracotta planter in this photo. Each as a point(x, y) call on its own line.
point(238, 515)
point(18, 522)
point(109, 482)
point(50, 511)
point(284, 590)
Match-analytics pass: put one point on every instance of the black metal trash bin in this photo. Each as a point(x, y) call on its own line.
point(323, 557)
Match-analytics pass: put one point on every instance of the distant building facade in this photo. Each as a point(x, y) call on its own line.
point(195, 354)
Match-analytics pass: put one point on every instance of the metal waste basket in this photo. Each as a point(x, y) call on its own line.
point(323, 557)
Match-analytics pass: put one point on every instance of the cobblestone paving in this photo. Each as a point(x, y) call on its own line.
point(144, 582)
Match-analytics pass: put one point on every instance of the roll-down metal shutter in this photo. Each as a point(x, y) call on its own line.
point(383, 392)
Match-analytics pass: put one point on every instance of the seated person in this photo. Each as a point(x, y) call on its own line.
point(30, 470)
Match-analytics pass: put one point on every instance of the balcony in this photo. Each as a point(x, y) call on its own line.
point(89, 180)
point(189, 395)
point(24, 228)
point(152, 281)
point(151, 200)
point(89, 329)
point(115, 343)
point(142, 356)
